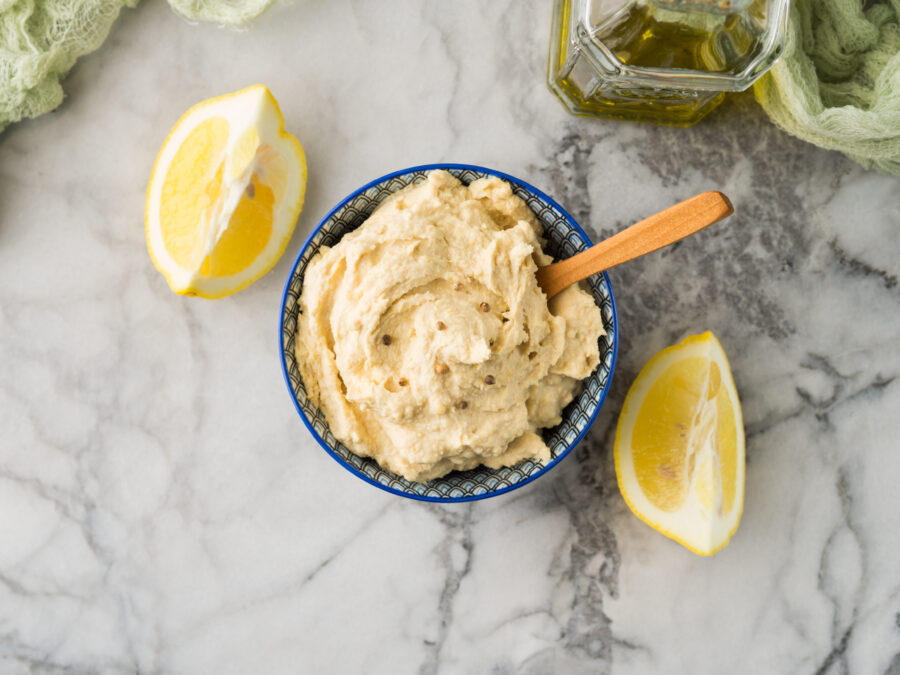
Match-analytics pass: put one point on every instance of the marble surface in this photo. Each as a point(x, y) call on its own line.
point(163, 510)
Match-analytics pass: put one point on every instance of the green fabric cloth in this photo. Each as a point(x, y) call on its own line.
point(40, 40)
point(837, 85)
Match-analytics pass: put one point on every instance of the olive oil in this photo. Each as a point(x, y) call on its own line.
point(659, 39)
point(639, 39)
point(660, 61)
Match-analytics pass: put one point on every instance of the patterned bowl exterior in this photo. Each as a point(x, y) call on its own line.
point(564, 239)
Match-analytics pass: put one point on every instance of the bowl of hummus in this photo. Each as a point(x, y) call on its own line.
point(418, 348)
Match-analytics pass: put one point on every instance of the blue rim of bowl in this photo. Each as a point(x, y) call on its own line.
point(337, 458)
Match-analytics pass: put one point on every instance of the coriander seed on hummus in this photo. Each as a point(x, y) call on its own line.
point(425, 340)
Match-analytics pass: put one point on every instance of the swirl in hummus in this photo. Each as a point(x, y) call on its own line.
point(426, 341)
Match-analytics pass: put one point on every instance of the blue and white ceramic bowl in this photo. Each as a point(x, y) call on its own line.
point(564, 239)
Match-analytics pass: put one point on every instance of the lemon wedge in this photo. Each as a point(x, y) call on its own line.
point(224, 195)
point(679, 446)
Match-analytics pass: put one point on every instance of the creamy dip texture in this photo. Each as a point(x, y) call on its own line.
point(426, 341)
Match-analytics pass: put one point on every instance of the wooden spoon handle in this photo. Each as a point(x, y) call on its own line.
point(661, 229)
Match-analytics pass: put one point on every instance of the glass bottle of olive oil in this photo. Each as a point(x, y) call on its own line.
point(665, 61)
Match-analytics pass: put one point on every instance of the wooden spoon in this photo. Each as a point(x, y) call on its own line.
point(660, 229)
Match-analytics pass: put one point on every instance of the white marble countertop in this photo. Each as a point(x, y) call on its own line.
point(163, 510)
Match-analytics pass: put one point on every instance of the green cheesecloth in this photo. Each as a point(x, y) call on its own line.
point(837, 84)
point(40, 40)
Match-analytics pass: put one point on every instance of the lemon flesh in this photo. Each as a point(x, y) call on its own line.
point(679, 447)
point(224, 195)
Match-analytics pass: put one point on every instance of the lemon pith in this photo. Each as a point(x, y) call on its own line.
point(224, 194)
point(679, 448)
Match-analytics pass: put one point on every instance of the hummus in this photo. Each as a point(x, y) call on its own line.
point(426, 341)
